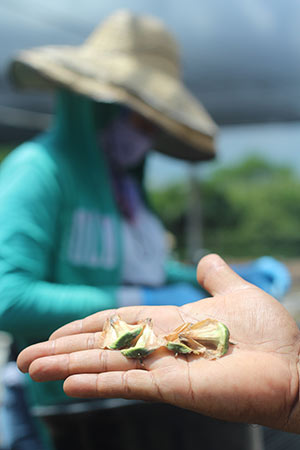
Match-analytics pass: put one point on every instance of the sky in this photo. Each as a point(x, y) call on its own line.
point(240, 57)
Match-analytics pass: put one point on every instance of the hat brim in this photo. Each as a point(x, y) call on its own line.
point(186, 129)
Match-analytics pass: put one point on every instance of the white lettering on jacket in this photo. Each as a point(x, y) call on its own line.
point(92, 240)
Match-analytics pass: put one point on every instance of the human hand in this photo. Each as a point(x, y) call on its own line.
point(257, 381)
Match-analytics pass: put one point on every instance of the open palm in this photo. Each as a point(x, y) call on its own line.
point(257, 381)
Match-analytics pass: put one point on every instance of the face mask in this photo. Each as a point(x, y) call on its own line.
point(125, 144)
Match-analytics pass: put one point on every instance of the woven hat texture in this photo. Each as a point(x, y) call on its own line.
point(133, 60)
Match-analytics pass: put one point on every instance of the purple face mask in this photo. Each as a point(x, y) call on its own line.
point(125, 144)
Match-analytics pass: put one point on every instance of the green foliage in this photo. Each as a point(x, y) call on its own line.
point(253, 169)
point(171, 205)
point(170, 202)
point(248, 210)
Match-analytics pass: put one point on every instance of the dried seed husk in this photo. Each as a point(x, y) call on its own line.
point(173, 342)
point(174, 334)
point(209, 338)
point(209, 333)
point(146, 343)
point(118, 334)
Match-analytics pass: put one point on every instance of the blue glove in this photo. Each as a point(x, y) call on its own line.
point(174, 294)
point(267, 273)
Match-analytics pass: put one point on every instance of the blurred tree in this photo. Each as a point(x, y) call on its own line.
point(248, 210)
point(171, 205)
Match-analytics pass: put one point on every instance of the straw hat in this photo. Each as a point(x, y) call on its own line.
point(132, 60)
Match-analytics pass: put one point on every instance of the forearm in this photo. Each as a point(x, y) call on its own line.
point(30, 308)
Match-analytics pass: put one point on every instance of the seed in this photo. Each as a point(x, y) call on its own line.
point(147, 343)
point(209, 333)
point(118, 334)
point(178, 347)
point(209, 338)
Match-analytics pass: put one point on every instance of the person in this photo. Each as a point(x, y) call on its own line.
point(256, 381)
point(77, 233)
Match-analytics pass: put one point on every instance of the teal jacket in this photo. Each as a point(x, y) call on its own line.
point(60, 241)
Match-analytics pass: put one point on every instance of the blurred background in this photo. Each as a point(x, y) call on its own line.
point(241, 59)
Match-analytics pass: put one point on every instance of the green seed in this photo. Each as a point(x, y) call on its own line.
point(224, 339)
point(146, 343)
point(126, 339)
point(118, 334)
point(178, 347)
point(136, 352)
point(208, 333)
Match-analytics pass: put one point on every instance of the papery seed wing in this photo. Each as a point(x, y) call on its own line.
point(175, 333)
point(108, 334)
point(197, 348)
point(212, 334)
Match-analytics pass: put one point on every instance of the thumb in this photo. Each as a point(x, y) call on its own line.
point(217, 277)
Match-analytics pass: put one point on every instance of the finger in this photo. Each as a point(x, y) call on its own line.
point(58, 346)
point(90, 324)
point(59, 367)
point(217, 277)
point(95, 322)
point(134, 384)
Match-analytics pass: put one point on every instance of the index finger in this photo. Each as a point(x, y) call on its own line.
point(95, 322)
point(90, 324)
